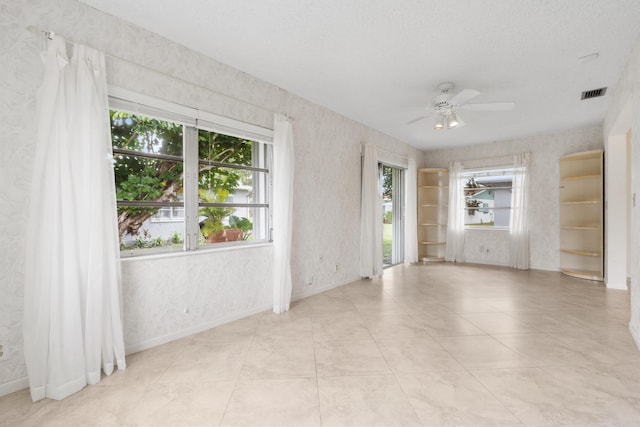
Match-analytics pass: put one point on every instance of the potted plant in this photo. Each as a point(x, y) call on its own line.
point(212, 227)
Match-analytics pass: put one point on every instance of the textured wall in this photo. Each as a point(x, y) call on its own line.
point(628, 93)
point(546, 150)
point(213, 286)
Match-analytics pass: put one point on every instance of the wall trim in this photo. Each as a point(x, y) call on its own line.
point(13, 386)
point(318, 290)
point(154, 342)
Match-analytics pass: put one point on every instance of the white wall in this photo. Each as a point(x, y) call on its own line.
point(213, 287)
point(546, 150)
point(626, 100)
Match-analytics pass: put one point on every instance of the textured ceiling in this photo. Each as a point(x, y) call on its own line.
point(379, 61)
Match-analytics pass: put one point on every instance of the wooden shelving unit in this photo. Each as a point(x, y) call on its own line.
point(581, 215)
point(433, 196)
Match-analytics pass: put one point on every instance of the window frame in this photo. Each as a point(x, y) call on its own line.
point(192, 120)
point(499, 170)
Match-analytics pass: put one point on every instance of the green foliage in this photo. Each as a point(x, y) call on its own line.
point(243, 224)
point(143, 179)
point(387, 183)
point(176, 238)
point(387, 217)
point(214, 216)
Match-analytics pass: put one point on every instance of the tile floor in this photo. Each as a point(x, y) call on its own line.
point(434, 345)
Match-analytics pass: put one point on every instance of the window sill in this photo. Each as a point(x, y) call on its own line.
point(200, 251)
point(488, 228)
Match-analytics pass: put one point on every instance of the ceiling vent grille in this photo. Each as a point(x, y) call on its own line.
point(593, 93)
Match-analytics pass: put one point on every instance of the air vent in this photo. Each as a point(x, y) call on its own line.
point(593, 93)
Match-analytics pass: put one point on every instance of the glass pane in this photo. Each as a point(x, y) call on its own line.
point(228, 185)
point(222, 225)
point(144, 134)
point(488, 200)
point(217, 147)
point(142, 179)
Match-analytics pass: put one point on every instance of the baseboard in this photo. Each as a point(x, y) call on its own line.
point(145, 345)
point(13, 386)
point(321, 289)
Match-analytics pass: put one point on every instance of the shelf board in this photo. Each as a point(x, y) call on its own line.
point(433, 243)
point(487, 188)
point(594, 154)
point(433, 224)
point(580, 227)
point(433, 205)
point(583, 274)
point(434, 186)
point(584, 253)
point(577, 177)
point(582, 202)
point(432, 259)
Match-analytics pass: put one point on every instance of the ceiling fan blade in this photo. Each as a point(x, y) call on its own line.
point(417, 119)
point(460, 121)
point(492, 106)
point(465, 96)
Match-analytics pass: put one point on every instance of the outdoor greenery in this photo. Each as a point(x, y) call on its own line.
point(140, 178)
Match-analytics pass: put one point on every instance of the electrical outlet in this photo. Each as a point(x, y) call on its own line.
point(4, 355)
point(337, 267)
point(308, 281)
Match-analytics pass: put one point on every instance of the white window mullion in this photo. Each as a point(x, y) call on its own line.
point(192, 227)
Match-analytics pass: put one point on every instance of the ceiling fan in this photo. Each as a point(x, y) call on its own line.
point(445, 106)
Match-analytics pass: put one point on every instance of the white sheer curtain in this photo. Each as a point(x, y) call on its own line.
point(72, 318)
point(519, 242)
point(282, 211)
point(454, 251)
point(411, 214)
point(370, 215)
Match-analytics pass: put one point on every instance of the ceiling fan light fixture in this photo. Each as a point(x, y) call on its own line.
point(452, 120)
point(440, 122)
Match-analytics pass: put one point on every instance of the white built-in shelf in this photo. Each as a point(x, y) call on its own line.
point(581, 215)
point(432, 213)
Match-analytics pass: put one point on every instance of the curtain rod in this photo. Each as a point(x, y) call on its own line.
point(49, 35)
point(508, 156)
point(401, 156)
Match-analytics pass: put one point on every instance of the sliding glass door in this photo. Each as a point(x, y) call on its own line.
point(392, 189)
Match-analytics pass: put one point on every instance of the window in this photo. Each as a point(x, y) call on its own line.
point(487, 197)
point(182, 183)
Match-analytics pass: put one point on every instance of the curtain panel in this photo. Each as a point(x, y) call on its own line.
point(411, 214)
point(72, 315)
point(519, 234)
point(454, 250)
point(370, 215)
point(283, 163)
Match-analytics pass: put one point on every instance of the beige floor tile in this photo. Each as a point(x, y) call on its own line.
point(293, 328)
point(349, 326)
point(207, 361)
point(568, 360)
point(364, 401)
point(467, 305)
point(548, 349)
point(200, 403)
point(277, 403)
point(484, 352)
point(268, 359)
point(447, 324)
point(390, 327)
point(335, 358)
point(417, 355)
point(454, 399)
point(546, 398)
